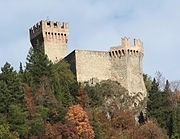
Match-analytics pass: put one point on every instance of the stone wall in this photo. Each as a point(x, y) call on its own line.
point(121, 64)
point(52, 36)
point(119, 70)
point(92, 66)
point(135, 77)
point(54, 51)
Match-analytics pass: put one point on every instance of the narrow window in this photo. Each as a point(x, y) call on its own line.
point(123, 52)
point(55, 25)
point(113, 53)
point(48, 23)
point(110, 54)
point(119, 52)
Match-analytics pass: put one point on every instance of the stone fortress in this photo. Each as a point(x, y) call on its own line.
point(121, 63)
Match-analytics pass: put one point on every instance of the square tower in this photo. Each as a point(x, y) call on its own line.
point(52, 37)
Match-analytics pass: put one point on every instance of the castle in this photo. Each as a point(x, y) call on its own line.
point(121, 63)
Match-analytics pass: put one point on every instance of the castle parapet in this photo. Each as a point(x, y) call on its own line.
point(125, 42)
point(127, 48)
point(52, 24)
point(138, 43)
point(48, 26)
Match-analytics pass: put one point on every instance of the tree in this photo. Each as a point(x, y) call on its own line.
point(17, 118)
point(58, 130)
point(167, 108)
point(153, 93)
point(123, 120)
point(167, 88)
point(11, 90)
point(21, 68)
point(38, 64)
point(123, 123)
point(160, 106)
point(5, 132)
point(79, 117)
point(155, 104)
point(82, 97)
point(63, 83)
point(149, 130)
point(101, 124)
point(69, 131)
point(174, 122)
point(37, 126)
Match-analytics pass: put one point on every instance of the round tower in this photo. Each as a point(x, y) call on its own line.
point(126, 61)
point(52, 37)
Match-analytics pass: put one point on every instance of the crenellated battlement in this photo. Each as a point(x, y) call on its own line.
point(44, 24)
point(49, 27)
point(125, 42)
point(126, 48)
point(138, 43)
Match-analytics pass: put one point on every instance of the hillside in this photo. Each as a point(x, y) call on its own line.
point(44, 100)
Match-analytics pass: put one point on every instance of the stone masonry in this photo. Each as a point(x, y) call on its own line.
point(121, 63)
point(52, 37)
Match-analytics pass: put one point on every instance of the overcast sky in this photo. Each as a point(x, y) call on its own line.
point(98, 25)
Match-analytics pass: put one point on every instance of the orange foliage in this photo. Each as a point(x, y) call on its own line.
point(79, 117)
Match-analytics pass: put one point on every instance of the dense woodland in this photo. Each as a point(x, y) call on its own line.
point(43, 101)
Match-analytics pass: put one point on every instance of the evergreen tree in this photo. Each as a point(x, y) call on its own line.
point(18, 120)
point(11, 91)
point(175, 123)
point(152, 96)
point(167, 88)
point(159, 106)
point(37, 126)
point(63, 83)
point(20, 68)
point(38, 64)
point(155, 103)
point(167, 108)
